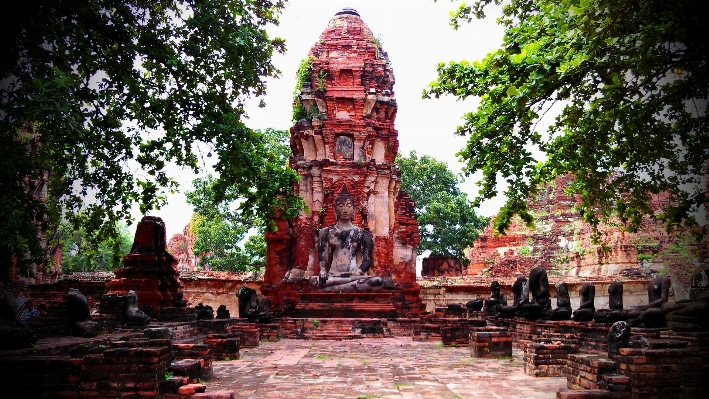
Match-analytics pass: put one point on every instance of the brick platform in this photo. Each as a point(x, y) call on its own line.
point(269, 331)
point(546, 359)
point(585, 371)
point(193, 361)
point(248, 333)
point(223, 346)
point(662, 371)
point(695, 340)
point(491, 344)
point(334, 328)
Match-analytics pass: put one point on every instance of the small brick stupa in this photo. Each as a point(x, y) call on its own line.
point(345, 142)
point(148, 269)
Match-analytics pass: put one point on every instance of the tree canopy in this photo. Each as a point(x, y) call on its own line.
point(631, 81)
point(99, 97)
point(447, 222)
point(227, 238)
point(80, 256)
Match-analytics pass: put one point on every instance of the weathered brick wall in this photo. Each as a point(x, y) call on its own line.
point(434, 266)
point(491, 343)
point(122, 369)
point(215, 291)
point(57, 292)
point(35, 377)
point(586, 371)
point(659, 372)
point(546, 358)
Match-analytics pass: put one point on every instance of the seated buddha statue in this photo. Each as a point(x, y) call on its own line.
point(345, 253)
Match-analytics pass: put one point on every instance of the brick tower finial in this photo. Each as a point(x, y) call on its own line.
point(347, 11)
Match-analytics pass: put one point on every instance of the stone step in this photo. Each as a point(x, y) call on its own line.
point(344, 310)
point(215, 395)
point(202, 395)
point(592, 394)
point(189, 368)
point(172, 384)
point(190, 389)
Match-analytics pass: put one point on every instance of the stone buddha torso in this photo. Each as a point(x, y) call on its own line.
point(344, 247)
point(345, 252)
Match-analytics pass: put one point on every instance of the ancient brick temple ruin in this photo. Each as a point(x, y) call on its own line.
point(346, 142)
point(148, 269)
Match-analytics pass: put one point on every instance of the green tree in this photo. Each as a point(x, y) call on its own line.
point(104, 94)
point(80, 256)
point(631, 81)
point(218, 243)
point(447, 222)
point(220, 226)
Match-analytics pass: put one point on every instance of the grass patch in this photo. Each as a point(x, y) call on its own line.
point(399, 384)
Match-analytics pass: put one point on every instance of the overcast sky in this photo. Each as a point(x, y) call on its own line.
point(417, 36)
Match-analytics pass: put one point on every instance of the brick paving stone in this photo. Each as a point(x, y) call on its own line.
point(377, 368)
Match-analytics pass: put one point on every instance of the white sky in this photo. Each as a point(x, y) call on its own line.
point(417, 36)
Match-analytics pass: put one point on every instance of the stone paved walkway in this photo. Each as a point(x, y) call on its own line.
point(375, 368)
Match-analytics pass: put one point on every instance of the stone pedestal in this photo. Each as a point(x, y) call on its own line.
point(665, 369)
point(491, 344)
point(586, 371)
point(546, 359)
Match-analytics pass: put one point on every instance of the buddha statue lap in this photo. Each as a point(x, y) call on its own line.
point(587, 294)
point(563, 303)
point(345, 253)
point(14, 334)
point(256, 308)
point(691, 314)
point(79, 315)
point(520, 290)
point(475, 305)
point(651, 315)
point(491, 303)
point(615, 311)
point(540, 305)
point(132, 315)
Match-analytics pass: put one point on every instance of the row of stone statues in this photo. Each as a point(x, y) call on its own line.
point(532, 301)
point(15, 334)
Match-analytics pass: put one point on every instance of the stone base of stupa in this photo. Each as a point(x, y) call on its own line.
point(300, 300)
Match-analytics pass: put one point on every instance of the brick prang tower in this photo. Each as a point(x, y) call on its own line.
point(346, 138)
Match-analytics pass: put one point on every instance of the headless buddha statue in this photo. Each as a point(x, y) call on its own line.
point(345, 253)
point(651, 315)
point(615, 305)
point(563, 303)
point(494, 299)
point(520, 290)
point(587, 294)
point(540, 304)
